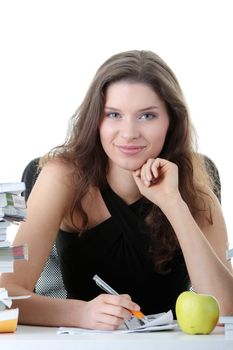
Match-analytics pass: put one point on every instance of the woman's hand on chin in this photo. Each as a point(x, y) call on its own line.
point(157, 180)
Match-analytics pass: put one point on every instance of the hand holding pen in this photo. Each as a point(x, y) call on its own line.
point(138, 314)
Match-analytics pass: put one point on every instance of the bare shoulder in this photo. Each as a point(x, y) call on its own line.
point(53, 190)
point(55, 173)
point(48, 204)
point(59, 168)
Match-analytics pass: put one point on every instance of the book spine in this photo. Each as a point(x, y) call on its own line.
point(16, 253)
point(12, 212)
point(13, 200)
point(229, 326)
point(15, 187)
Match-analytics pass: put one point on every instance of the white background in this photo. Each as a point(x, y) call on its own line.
point(50, 50)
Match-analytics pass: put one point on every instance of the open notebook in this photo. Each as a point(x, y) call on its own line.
point(157, 322)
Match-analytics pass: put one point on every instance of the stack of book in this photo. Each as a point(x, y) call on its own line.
point(12, 211)
point(12, 204)
point(228, 324)
point(229, 254)
point(228, 320)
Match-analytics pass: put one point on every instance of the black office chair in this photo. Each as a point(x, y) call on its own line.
point(50, 282)
point(214, 174)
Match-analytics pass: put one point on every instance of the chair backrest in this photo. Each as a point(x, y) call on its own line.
point(214, 174)
point(50, 282)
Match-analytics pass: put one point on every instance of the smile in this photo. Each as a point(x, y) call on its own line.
point(131, 150)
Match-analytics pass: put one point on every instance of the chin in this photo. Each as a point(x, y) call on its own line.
point(131, 167)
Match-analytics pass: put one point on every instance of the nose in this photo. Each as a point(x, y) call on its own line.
point(130, 130)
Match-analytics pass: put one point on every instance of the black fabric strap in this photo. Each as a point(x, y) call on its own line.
point(128, 218)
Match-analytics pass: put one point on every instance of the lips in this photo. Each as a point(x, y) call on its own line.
point(131, 150)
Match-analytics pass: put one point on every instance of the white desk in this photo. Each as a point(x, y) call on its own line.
point(40, 338)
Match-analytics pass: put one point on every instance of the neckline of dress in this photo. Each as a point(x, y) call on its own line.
point(139, 200)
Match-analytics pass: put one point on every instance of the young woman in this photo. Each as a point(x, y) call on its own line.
point(125, 197)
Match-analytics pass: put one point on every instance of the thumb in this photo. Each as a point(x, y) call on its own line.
point(137, 178)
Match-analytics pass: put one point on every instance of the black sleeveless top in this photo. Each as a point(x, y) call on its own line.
point(117, 251)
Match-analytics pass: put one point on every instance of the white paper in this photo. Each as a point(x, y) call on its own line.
point(6, 301)
point(157, 322)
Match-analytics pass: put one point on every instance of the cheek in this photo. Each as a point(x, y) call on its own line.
point(159, 132)
point(105, 132)
point(158, 139)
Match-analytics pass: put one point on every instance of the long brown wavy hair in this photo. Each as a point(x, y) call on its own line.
point(83, 149)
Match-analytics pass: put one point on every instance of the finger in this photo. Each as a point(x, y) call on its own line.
point(145, 175)
point(137, 172)
point(117, 311)
point(127, 303)
point(160, 162)
point(155, 169)
point(150, 171)
point(157, 166)
point(122, 300)
point(138, 180)
point(126, 296)
point(107, 326)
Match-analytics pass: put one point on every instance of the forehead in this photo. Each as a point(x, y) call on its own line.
point(127, 91)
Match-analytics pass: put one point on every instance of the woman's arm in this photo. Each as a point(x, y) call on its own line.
point(203, 248)
point(204, 252)
point(48, 204)
point(45, 210)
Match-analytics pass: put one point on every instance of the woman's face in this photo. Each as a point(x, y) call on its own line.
point(134, 125)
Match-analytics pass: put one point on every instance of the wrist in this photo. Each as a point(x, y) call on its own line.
point(173, 204)
point(76, 312)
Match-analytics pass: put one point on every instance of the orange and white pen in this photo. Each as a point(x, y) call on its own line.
point(110, 290)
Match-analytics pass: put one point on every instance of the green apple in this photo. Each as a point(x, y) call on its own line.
point(197, 313)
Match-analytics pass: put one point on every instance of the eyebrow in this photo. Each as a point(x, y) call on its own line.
point(140, 110)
